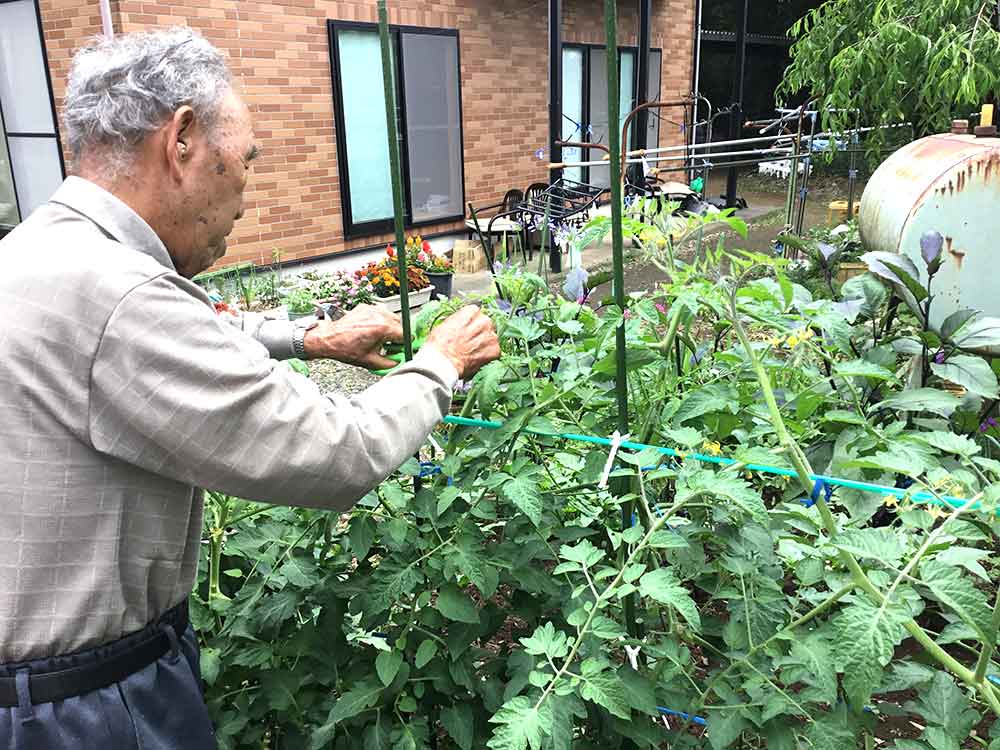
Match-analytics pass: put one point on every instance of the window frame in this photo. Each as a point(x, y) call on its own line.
point(40, 28)
point(354, 230)
point(587, 71)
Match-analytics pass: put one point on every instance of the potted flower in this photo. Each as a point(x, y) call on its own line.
point(339, 291)
point(384, 279)
point(300, 304)
point(438, 268)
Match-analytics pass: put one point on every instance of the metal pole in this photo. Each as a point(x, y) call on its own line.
point(696, 83)
point(617, 255)
point(736, 117)
point(388, 82)
point(641, 133)
point(555, 107)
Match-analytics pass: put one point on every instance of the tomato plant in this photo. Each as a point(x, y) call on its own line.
point(504, 599)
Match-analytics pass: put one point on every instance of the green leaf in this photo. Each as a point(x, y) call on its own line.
point(460, 723)
point(810, 663)
point(705, 400)
point(446, 497)
point(522, 724)
point(276, 608)
point(943, 704)
point(724, 488)
point(859, 368)
point(972, 373)
point(361, 534)
point(547, 641)
point(426, 651)
point(982, 333)
point(831, 731)
point(639, 690)
point(949, 442)
point(954, 322)
point(523, 492)
point(350, 704)
point(455, 604)
point(211, 664)
point(387, 665)
point(922, 399)
point(471, 561)
point(663, 586)
point(879, 544)
point(584, 552)
point(865, 638)
point(727, 725)
point(957, 593)
point(606, 689)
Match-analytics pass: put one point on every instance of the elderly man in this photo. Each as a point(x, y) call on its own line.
point(121, 392)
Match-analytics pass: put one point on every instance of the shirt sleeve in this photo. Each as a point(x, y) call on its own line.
point(177, 392)
point(275, 335)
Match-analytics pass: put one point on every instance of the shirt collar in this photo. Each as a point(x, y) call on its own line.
point(113, 217)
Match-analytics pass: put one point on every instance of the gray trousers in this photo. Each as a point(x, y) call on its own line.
point(159, 707)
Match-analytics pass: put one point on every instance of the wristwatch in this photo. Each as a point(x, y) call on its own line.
point(299, 339)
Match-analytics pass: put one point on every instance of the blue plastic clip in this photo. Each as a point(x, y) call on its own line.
point(428, 469)
point(820, 484)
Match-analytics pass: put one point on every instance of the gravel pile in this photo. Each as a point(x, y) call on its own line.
point(336, 377)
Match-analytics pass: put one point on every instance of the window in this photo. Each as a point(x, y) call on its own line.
point(585, 103)
point(429, 123)
point(31, 165)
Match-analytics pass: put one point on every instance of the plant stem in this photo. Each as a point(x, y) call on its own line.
point(606, 594)
point(804, 472)
point(990, 644)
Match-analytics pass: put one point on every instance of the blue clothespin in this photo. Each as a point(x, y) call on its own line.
point(820, 484)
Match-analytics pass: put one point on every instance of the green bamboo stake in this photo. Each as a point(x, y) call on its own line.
point(388, 81)
point(618, 262)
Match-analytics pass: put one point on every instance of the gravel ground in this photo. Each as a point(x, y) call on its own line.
point(335, 377)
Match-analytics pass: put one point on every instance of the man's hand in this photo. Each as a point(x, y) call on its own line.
point(468, 339)
point(357, 338)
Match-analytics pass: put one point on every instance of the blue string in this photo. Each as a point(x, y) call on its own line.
point(819, 485)
point(687, 717)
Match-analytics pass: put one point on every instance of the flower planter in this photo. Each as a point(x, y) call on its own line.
point(847, 271)
point(415, 298)
point(441, 282)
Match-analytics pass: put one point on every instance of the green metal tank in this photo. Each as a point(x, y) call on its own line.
point(949, 184)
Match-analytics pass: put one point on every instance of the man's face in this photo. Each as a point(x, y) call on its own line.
point(212, 187)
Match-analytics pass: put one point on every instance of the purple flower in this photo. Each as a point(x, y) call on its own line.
point(930, 246)
point(627, 314)
point(504, 306)
point(661, 307)
point(462, 386)
point(939, 357)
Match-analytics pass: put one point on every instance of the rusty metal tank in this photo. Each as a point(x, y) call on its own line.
point(950, 184)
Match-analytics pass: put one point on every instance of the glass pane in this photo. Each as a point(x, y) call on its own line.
point(364, 122)
point(8, 205)
point(626, 88)
point(433, 125)
point(572, 106)
point(653, 95)
point(599, 176)
point(37, 170)
point(24, 89)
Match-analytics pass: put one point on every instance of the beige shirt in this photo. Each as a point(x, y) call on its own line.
point(121, 392)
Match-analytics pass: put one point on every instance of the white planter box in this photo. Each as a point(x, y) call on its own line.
point(415, 298)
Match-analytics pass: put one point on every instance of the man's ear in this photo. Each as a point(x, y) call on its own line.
point(178, 142)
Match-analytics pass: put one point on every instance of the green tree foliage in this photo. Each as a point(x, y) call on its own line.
point(887, 61)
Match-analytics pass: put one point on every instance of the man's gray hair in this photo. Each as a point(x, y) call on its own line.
point(122, 89)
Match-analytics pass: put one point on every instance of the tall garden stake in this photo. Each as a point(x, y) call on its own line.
point(614, 151)
point(388, 81)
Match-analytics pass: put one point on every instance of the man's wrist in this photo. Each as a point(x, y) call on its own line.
point(300, 348)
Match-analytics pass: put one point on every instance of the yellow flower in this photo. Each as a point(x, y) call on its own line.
point(935, 512)
point(712, 448)
point(777, 341)
point(890, 501)
point(793, 341)
point(681, 455)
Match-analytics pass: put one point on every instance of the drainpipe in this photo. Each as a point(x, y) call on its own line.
point(696, 82)
point(107, 28)
point(640, 132)
point(736, 117)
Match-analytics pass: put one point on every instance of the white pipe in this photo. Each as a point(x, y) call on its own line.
point(697, 75)
point(711, 144)
point(106, 26)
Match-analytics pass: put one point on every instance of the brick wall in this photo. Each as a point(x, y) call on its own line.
point(280, 57)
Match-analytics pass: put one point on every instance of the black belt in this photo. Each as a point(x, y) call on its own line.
point(123, 658)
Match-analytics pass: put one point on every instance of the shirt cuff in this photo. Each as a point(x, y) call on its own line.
point(276, 336)
point(431, 360)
